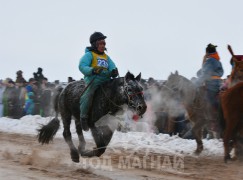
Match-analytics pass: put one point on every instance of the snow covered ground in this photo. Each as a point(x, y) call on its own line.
point(135, 141)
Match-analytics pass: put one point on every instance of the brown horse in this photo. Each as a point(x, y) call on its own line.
point(237, 72)
point(232, 107)
point(193, 99)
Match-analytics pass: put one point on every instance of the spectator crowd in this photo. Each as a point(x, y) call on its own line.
point(33, 97)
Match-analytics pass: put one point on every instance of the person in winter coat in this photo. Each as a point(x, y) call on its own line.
point(209, 76)
point(6, 97)
point(20, 78)
point(97, 68)
point(2, 88)
point(12, 99)
point(20, 90)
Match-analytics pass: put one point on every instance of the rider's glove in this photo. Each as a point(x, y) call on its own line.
point(97, 70)
point(114, 73)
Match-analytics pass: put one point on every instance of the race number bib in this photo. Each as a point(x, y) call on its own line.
point(102, 62)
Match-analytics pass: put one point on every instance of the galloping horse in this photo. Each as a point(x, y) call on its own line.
point(232, 107)
point(194, 102)
point(108, 98)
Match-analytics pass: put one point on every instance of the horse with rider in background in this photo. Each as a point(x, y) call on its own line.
point(178, 88)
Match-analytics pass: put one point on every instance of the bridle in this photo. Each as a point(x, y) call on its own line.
point(129, 96)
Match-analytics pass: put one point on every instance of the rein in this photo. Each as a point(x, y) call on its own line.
point(120, 106)
point(110, 99)
point(129, 96)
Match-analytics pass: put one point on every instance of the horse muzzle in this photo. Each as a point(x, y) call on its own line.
point(141, 109)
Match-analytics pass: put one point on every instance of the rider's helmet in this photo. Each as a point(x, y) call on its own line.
point(96, 36)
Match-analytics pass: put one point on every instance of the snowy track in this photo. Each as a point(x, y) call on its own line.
point(132, 155)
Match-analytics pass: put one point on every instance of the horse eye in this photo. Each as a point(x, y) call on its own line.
point(129, 90)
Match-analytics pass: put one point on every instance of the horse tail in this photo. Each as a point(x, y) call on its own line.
point(47, 132)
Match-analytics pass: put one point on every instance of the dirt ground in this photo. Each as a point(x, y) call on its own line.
point(22, 157)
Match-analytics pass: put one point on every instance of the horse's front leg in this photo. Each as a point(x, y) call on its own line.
point(102, 136)
point(197, 132)
point(228, 143)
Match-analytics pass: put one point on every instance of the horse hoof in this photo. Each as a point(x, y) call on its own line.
point(226, 158)
point(75, 160)
point(75, 156)
point(198, 151)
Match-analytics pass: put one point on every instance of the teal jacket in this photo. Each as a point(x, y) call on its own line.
point(86, 69)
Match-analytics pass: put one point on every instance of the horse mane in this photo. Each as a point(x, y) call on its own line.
point(111, 83)
point(232, 94)
point(187, 90)
point(185, 80)
point(237, 72)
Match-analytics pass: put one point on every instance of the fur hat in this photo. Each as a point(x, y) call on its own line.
point(19, 72)
point(211, 48)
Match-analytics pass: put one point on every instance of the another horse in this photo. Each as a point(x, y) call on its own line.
point(237, 72)
point(232, 107)
point(109, 98)
point(180, 88)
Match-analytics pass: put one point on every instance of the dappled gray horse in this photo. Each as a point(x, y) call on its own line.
point(109, 98)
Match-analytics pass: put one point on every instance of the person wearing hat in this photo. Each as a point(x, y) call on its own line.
point(209, 76)
point(97, 68)
point(20, 78)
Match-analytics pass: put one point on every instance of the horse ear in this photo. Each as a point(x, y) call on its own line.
point(176, 72)
point(128, 76)
point(138, 78)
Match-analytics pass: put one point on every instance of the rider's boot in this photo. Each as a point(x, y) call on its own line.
point(84, 123)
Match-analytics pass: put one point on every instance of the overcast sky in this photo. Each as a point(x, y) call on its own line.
point(154, 37)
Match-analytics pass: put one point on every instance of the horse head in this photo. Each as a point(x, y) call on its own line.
point(174, 82)
point(133, 93)
point(179, 87)
point(237, 72)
